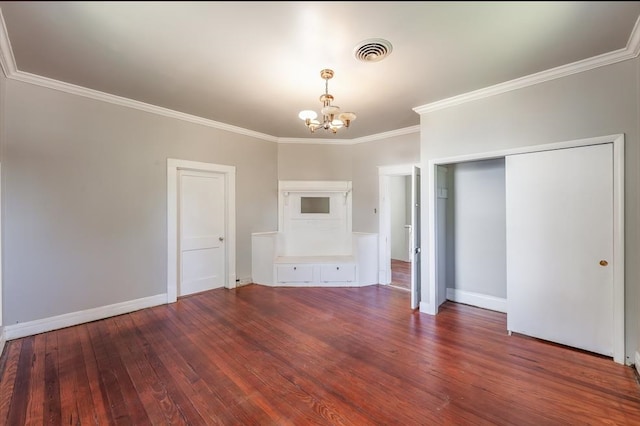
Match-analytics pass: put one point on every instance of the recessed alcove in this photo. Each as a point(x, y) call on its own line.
point(315, 244)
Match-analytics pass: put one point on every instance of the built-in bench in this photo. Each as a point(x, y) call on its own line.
point(359, 269)
point(314, 245)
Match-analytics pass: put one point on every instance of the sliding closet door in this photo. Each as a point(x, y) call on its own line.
point(560, 246)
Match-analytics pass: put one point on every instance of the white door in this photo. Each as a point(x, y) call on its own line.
point(560, 246)
point(201, 217)
point(416, 230)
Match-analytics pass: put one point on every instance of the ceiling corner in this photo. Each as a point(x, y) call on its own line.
point(633, 45)
point(7, 61)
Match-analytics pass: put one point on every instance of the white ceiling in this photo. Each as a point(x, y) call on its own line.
point(255, 65)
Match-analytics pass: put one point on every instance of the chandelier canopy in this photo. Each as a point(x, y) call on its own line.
point(332, 118)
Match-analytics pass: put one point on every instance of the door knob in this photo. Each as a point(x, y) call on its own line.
point(221, 238)
point(603, 263)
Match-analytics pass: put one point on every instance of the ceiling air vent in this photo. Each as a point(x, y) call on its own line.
point(373, 50)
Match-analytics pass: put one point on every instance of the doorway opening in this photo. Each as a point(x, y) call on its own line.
point(190, 234)
point(399, 229)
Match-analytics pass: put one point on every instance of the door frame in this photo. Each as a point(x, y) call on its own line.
point(617, 140)
point(173, 267)
point(384, 218)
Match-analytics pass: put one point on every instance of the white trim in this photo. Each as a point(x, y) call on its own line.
point(618, 223)
point(49, 83)
point(244, 281)
point(527, 149)
point(312, 141)
point(637, 362)
point(431, 306)
point(477, 299)
point(1, 223)
point(173, 165)
point(384, 216)
point(629, 52)
point(363, 139)
point(3, 340)
point(29, 328)
point(7, 61)
point(618, 250)
point(314, 185)
point(9, 67)
point(10, 70)
point(166, 112)
point(633, 44)
point(387, 135)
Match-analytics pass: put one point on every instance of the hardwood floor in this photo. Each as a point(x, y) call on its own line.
point(297, 356)
point(401, 274)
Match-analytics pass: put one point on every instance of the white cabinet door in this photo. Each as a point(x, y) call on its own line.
point(294, 273)
point(560, 246)
point(202, 231)
point(338, 273)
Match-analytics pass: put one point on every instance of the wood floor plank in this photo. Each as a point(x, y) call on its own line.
point(183, 384)
point(10, 364)
point(401, 274)
point(75, 396)
point(123, 402)
point(18, 408)
point(227, 376)
point(270, 373)
point(99, 400)
point(74, 364)
point(35, 414)
point(52, 404)
point(293, 356)
point(153, 394)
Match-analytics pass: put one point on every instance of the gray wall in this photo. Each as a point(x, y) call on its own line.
point(314, 162)
point(479, 222)
point(367, 157)
point(602, 101)
point(85, 204)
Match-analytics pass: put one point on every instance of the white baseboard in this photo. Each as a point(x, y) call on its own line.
point(426, 308)
point(3, 340)
point(476, 299)
point(637, 362)
point(244, 281)
point(29, 328)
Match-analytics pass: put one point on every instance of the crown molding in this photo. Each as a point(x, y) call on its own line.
point(10, 70)
point(629, 52)
point(8, 64)
point(314, 141)
point(633, 45)
point(363, 139)
point(130, 103)
point(387, 135)
point(7, 61)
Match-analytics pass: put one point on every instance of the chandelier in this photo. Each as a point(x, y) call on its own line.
point(332, 118)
